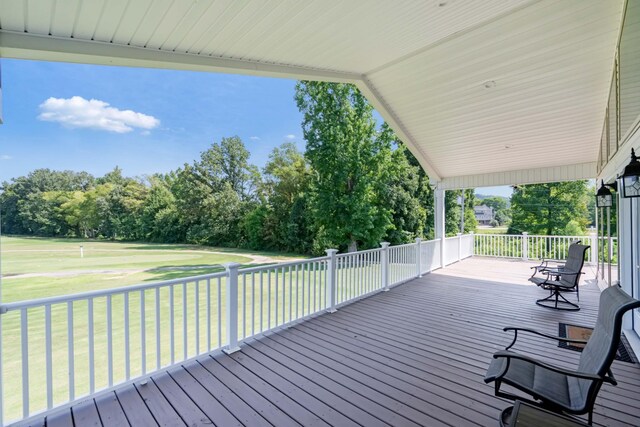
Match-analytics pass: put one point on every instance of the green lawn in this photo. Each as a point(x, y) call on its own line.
point(494, 230)
point(58, 270)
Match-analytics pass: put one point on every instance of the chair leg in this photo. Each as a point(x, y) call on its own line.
point(559, 302)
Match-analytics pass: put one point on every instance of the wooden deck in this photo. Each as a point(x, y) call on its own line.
point(413, 356)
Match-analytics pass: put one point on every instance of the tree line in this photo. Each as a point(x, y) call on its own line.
point(354, 186)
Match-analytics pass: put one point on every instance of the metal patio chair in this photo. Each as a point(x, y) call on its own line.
point(545, 263)
point(558, 389)
point(562, 279)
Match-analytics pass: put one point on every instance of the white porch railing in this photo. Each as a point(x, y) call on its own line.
point(56, 350)
point(535, 247)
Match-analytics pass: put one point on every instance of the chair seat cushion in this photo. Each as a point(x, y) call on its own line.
point(542, 383)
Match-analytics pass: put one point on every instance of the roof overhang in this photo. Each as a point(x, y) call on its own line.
point(493, 91)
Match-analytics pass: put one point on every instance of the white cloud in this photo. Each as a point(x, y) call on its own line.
point(5, 157)
point(77, 112)
point(290, 136)
point(254, 138)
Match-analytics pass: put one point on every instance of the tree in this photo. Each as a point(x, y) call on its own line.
point(286, 181)
point(23, 204)
point(408, 194)
point(501, 211)
point(350, 161)
point(547, 209)
point(228, 163)
point(453, 211)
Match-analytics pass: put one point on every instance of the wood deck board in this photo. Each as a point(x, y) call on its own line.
point(62, 419)
point(415, 355)
point(163, 412)
point(86, 414)
point(216, 412)
point(110, 410)
point(134, 407)
point(180, 401)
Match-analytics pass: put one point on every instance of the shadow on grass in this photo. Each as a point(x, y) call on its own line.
point(170, 272)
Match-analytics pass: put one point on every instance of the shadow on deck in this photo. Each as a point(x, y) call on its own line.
point(413, 356)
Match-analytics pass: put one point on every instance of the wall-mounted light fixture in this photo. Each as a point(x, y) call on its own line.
point(630, 179)
point(604, 199)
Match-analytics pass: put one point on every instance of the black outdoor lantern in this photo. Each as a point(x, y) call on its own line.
point(604, 199)
point(630, 179)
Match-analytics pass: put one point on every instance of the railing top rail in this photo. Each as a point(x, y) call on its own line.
point(424, 242)
point(39, 302)
point(402, 246)
point(529, 235)
point(346, 254)
point(281, 264)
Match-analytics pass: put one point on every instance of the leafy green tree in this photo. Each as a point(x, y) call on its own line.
point(350, 161)
point(23, 204)
point(228, 163)
point(502, 213)
point(408, 195)
point(453, 210)
point(547, 209)
point(286, 182)
point(159, 219)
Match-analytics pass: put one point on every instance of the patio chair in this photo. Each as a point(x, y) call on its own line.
point(544, 264)
point(565, 390)
point(562, 279)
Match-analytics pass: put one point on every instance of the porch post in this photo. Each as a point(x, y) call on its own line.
point(439, 219)
point(384, 263)
point(593, 237)
point(418, 257)
point(232, 307)
point(459, 247)
point(525, 246)
point(331, 280)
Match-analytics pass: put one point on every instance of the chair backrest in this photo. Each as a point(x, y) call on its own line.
point(600, 351)
point(574, 262)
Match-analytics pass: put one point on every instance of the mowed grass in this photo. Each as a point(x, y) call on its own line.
point(197, 307)
point(494, 230)
point(56, 267)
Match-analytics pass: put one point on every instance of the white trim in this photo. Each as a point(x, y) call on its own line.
point(524, 176)
point(617, 163)
point(634, 341)
point(49, 48)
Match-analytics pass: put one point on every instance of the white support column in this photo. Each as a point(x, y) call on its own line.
point(593, 238)
point(232, 307)
point(459, 247)
point(473, 243)
point(439, 219)
point(609, 246)
point(331, 280)
point(384, 262)
point(525, 246)
point(418, 257)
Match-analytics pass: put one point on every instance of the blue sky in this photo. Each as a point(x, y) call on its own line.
point(143, 120)
point(193, 110)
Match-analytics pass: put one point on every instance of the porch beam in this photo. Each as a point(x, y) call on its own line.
point(49, 48)
point(525, 176)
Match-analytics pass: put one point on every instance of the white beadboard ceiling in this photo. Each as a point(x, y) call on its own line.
point(422, 63)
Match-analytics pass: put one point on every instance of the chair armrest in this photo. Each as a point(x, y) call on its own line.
point(533, 331)
point(576, 374)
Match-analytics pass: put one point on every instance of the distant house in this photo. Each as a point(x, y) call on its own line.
point(484, 214)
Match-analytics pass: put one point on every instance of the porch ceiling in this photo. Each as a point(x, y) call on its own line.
point(423, 64)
